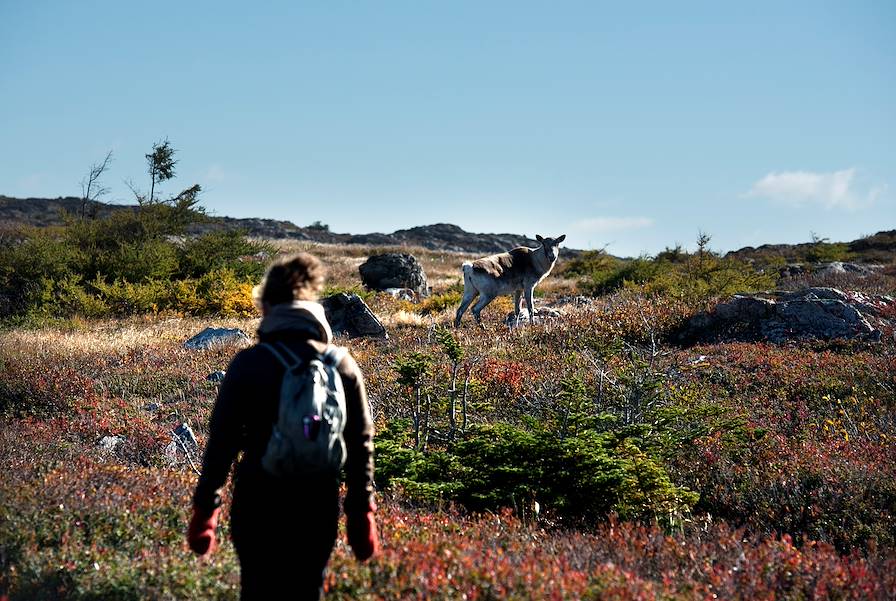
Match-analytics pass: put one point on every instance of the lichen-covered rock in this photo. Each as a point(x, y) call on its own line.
point(819, 313)
point(210, 337)
point(110, 443)
point(839, 268)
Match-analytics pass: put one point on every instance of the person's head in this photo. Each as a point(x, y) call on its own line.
point(291, 278)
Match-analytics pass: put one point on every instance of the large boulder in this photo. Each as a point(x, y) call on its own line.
point(819, 313)
point(349, 315)
point(394, 270)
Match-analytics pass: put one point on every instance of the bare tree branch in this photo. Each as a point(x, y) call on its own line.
point(91, 187)
point(135, 191)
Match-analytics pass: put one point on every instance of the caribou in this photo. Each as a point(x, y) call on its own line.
point(515, 272)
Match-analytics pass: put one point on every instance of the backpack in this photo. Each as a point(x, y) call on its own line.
point(307, 438)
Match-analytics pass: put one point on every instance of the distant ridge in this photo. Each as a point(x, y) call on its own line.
point(877, 248)
point(47, 212)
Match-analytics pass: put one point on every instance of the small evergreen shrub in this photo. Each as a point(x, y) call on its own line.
point(225, 249)
point(584, 477)
point(674, 272)
point(125, 264)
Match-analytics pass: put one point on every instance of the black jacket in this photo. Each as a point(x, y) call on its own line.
point(246, 410)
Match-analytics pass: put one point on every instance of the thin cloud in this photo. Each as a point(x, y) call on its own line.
point(215, 173)
point(612, 224)
point(834, 190)
point(29, 184)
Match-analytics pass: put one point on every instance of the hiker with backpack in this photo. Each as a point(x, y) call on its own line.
point(295, 406)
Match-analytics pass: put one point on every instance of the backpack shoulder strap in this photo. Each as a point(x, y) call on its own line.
point(279, 351)
point(334, 355)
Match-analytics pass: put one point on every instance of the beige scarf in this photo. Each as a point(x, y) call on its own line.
point(299, 316)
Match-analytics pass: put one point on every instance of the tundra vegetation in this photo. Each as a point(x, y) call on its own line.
point(583, 457)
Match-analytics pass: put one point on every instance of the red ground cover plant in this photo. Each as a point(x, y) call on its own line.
point(791, 449)
point(447, 555)
point(826, 468)
point(504, 378)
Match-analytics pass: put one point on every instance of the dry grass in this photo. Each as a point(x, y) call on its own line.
point(443, 269)
point(402, 318)
point(116, 336)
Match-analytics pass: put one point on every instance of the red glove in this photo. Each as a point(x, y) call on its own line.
point(362, 533)
point(201, 532)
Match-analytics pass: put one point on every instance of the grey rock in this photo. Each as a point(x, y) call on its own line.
point(869, 304)
point(746, 307)
point(541, 314)
point(840, 268)
point(821, 292)
point(811, 313)
point(216, 376)
point(576, 301)
point(110, 443)
point(394, 270)
point(815, 318)
point(210, 337)
point(405, 294)
point(152, 407)
point(349, 315)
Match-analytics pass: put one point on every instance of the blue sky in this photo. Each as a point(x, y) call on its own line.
point(631, 127)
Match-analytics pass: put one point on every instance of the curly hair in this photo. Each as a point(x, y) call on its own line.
point(291, 278)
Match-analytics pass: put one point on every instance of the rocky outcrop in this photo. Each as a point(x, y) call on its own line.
point(835, 268)
point(445, 236)
point(874, 249)
point(394, 270)
point(350, 316)
point(812, 313)
point(841, 268)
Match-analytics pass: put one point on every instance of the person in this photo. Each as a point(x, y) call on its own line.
point(283, 529)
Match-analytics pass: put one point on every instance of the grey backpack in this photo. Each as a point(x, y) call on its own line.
point(307, 438)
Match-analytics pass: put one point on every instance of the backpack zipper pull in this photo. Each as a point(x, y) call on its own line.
point(311, 426)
